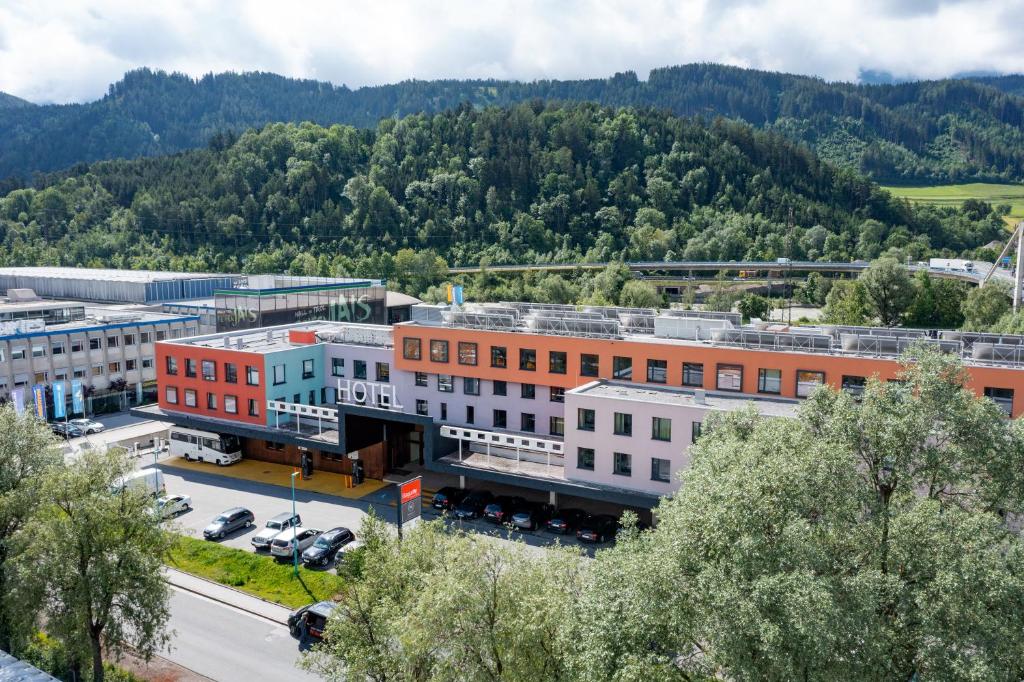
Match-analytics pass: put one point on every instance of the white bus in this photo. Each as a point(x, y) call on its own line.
point(204, 446)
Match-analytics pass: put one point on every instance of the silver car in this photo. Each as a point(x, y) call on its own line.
point(274, 526)
point(88, 426)
point(284, 543)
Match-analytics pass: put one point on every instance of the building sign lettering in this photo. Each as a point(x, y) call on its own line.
point(368, 392)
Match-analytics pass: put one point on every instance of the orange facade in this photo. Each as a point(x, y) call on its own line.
point(834, 367)
point(220, 386)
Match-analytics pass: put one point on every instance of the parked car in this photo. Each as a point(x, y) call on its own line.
point(65, 430)
point(88, 426)
point(531, 516)
point(565, 521)
point(346, 550)
point(472, 505)
point(228, 522)
point(149, 480)
point(597, 528)
point(273, 527)
point(326, 546)
point(172, 505)
point(284, 543)
point(311, 620)
point(447, 497)
point(500, 509)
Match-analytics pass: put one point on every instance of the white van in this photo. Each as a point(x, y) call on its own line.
point(150, 480)
point(204, 446)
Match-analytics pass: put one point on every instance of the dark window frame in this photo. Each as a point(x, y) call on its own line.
point(761, 380)
point(438, 345)
point(499, 357)
point(527, 359)
point(412, 348)
point(561, 366)
point(653, 369)
point(465, 359)
point(718, 377)
point(619, 371)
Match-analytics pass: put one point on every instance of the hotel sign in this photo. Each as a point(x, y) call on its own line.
point(369, 393)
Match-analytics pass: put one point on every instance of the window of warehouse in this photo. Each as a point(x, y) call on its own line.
point(412, 349)
point(807, 381)
point(730, 378)
point(439, 351)
point(467, 353)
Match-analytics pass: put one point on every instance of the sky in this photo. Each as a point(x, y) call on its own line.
point(64, 52)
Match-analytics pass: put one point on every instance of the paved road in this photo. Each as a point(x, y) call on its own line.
point(228, 645)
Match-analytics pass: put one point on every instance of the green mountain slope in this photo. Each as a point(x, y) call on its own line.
point(12, 102)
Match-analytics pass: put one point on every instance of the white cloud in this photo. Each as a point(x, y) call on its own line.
point(64, 52)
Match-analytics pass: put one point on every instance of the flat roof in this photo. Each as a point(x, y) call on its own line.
point(667, 395)
point(44, 304)
point(102, 318)
point(109, 274)
point(273, 339)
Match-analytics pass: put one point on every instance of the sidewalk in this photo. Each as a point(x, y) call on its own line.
point(227, 595)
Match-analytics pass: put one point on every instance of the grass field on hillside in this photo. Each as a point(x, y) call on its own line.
point(954, 195)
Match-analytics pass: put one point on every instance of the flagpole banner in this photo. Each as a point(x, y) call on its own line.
point(77, 397)
point(39, 401)
point(18, 396)
point(60, 408)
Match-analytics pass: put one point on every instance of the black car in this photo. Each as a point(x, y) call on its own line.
point(597, 528)
point(66, 430)
point(326, 546)
point(531, 516)
point(228, 522)
point(472, 505)
point(447, 497)
point(565, 521)
point(501, 508)
point(311, 620)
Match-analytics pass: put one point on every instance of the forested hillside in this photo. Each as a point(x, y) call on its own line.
point(911, 132)
point(528, 183)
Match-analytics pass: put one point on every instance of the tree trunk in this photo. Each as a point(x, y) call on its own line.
point(97, 658)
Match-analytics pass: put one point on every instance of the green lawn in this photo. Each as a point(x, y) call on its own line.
point(954, 195)
point(259, 575)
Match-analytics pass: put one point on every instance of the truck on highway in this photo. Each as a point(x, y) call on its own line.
point(150, 480)
point(955, 264)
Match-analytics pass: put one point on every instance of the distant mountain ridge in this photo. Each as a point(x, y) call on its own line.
point(923, 131)
point(12, 102)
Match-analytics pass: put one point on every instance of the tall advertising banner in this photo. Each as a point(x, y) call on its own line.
point(39, 401)
point(457, 292)
point(410, 503)
point(60, 408)
point(77, 397)
point(18, 396)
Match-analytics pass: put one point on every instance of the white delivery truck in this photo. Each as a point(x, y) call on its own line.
point(150, 480)
point(956, 264)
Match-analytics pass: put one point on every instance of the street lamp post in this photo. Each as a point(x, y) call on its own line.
point(295, 543)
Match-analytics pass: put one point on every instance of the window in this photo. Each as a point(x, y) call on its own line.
point(190, 367)
point(499, 357)
point(422, 408)
point(444, 383)
point(170, 394)
point(130, 364)
point(623, 424)
point(231, 404)
point(383, 370)
point(657, 371)
point(470, 414)
point(145, 337)
point(585, 459)
point(230, 373)
point(412, 349)
point(39, 351)
point(190, 398)
point(1003, 397)
point(769, 381)
point(696, 428)
point(421, 378)
point(113, 341)
point(113, 367)
point(359, 369)
point(95, 344)
point(18, 353)
point(499, 388)
point(661, 470)
point(161, 335)
point(444, 412)
point(623, 464)
point(527, 359)
point(97, 370)
point(209, 370)
point(307, 368)
point(147, 363)
point(557, 394)
point(527, 422)
point(172, 365)
point(211, 401)
point(693, 374)
point(59, 373)
point(557, 362)
point(338, 367)
point(556, 426)
point(730, 378)
point(439, 351)
point(807, 381)
point(622, 368)
point(470, 386)
point(129, 339)
point(252, 375)
point(585, 419)
point(661, 428)
point(79, 373)
point(279, 374)
point(527, 391)
point(500, 419)
point(854, 385)
point(254, 408)
point(57, 349)
point(41, 377)
point(589, 365)
point(276, 447)
point(77, 346)
point(467, 353)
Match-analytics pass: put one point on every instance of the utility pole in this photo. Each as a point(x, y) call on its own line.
point(1018, 278)
point(295, 537)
